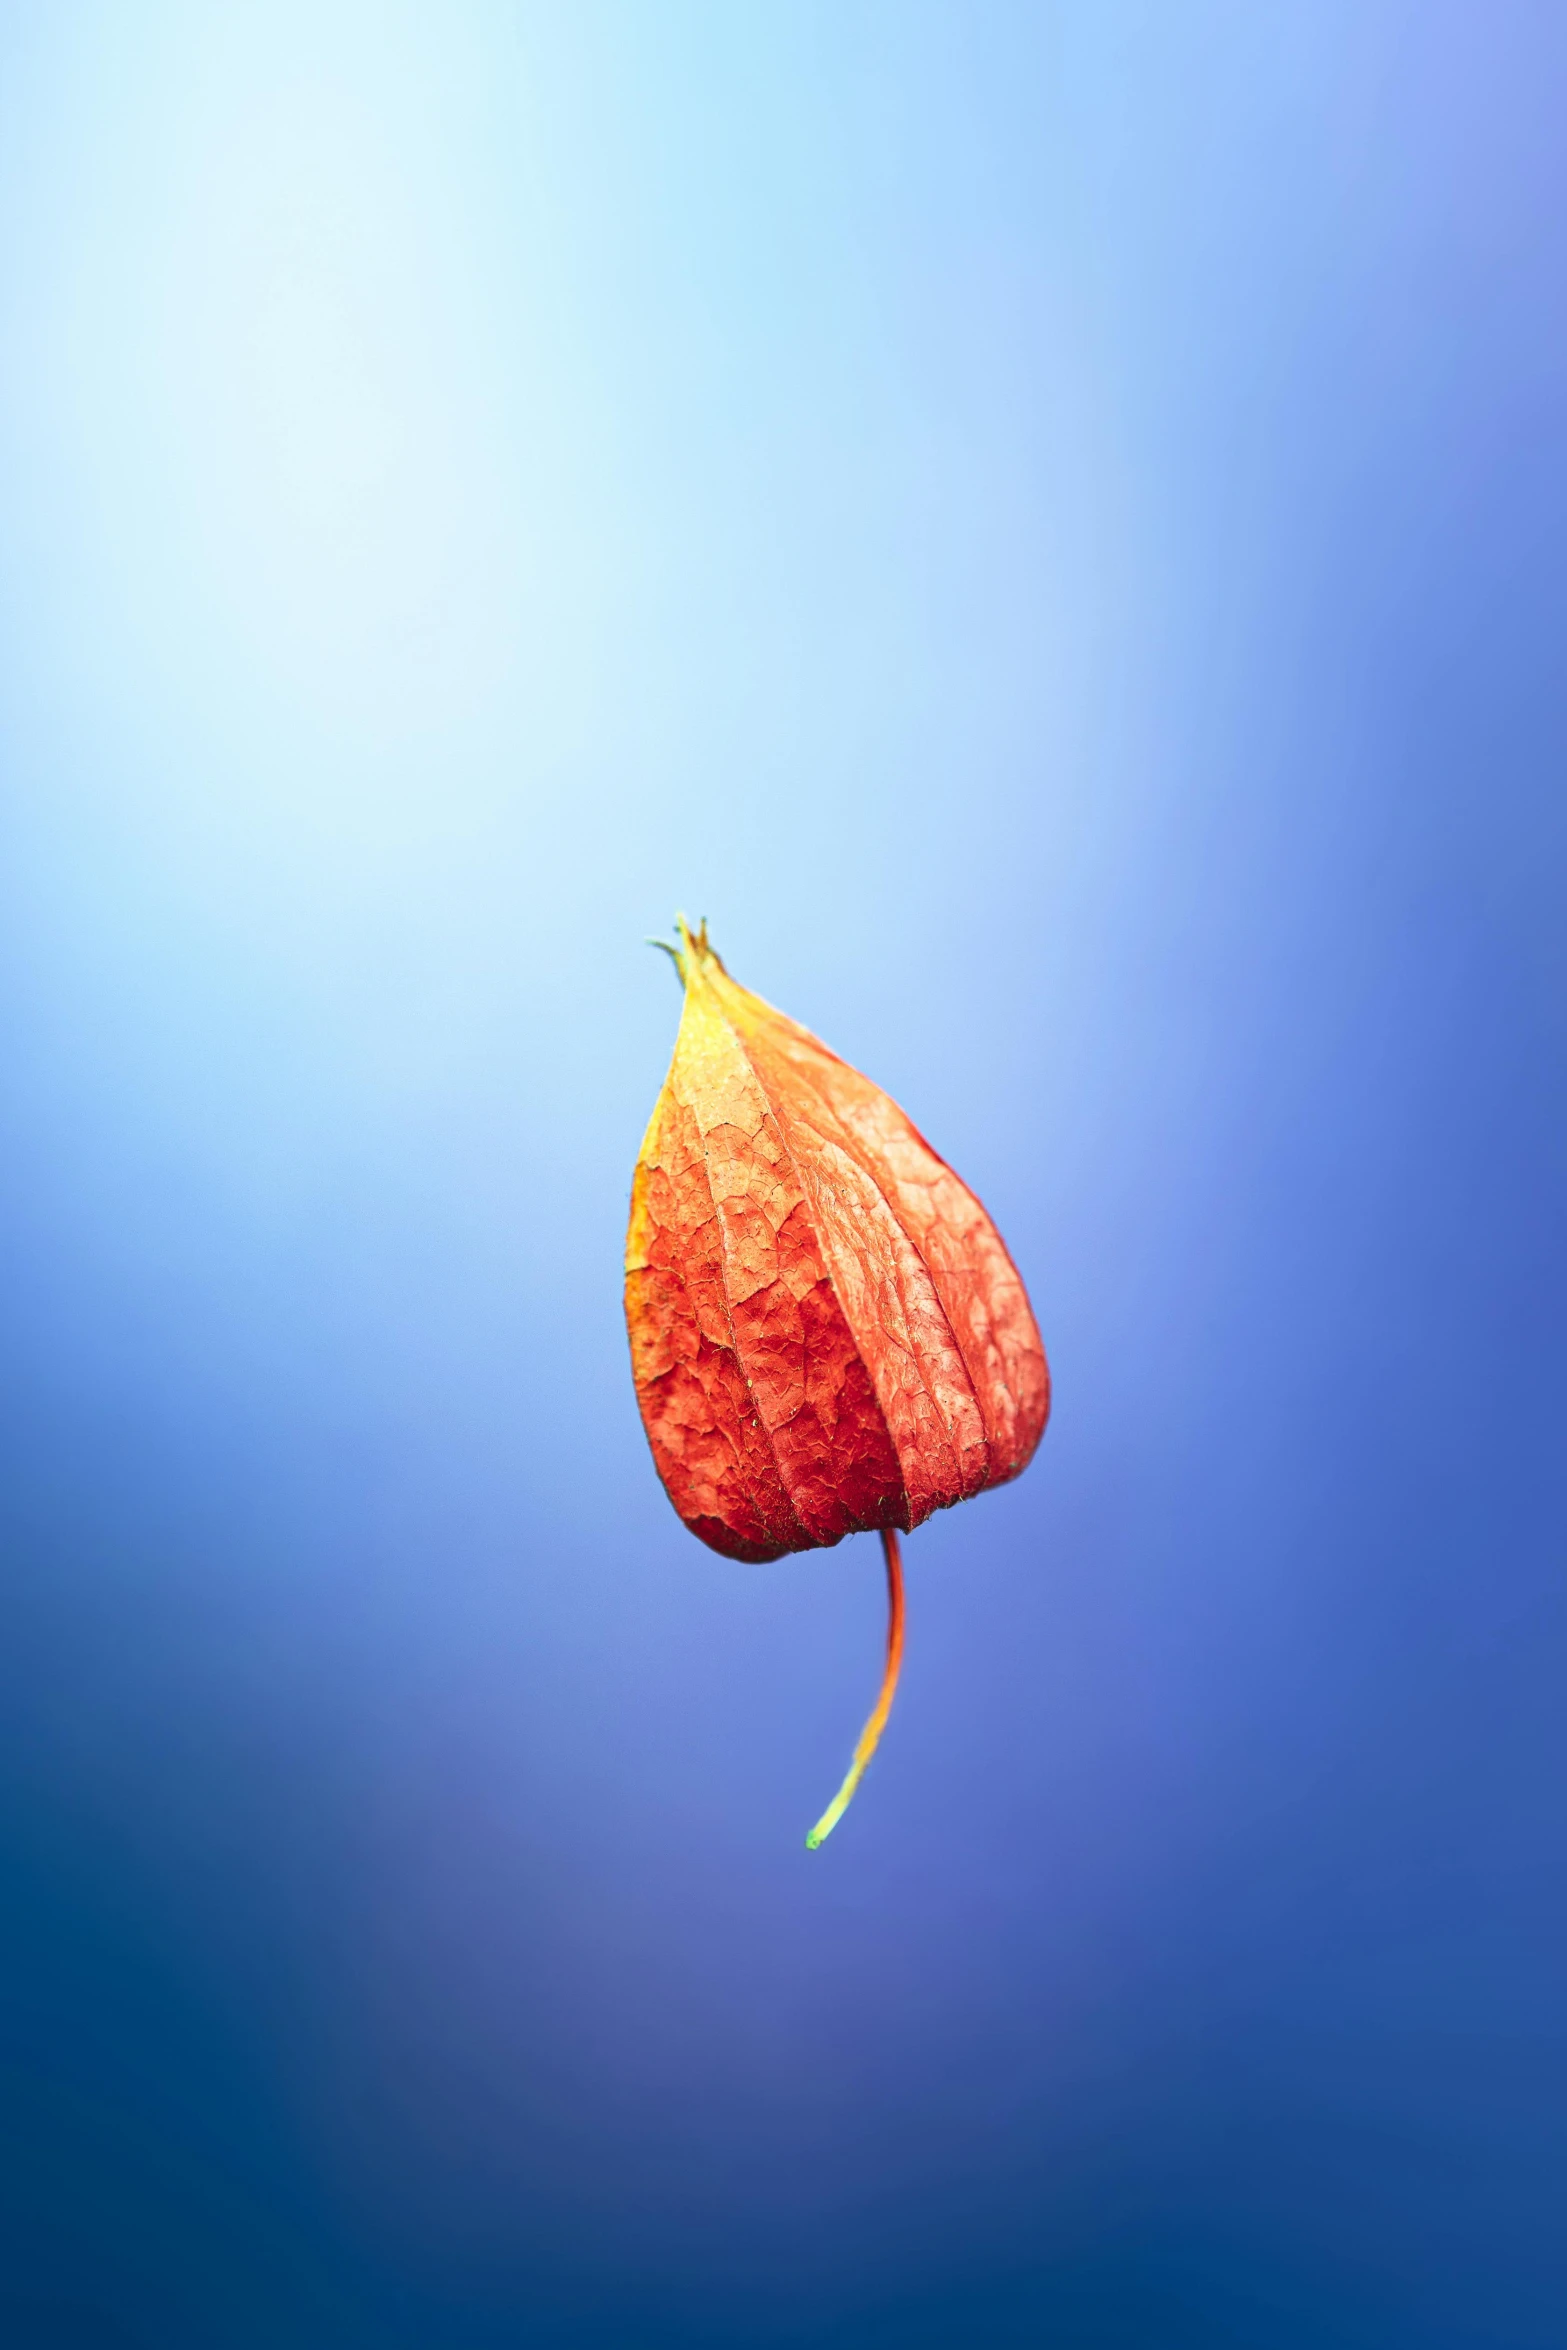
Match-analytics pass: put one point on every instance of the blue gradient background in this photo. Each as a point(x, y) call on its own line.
point(1047, 525)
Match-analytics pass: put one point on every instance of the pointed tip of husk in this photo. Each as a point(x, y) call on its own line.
point(695, 950)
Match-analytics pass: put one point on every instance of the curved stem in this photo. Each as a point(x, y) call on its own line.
point(873, 1729)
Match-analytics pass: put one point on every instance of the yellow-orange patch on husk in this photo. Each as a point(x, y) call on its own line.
point(827, 1333)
